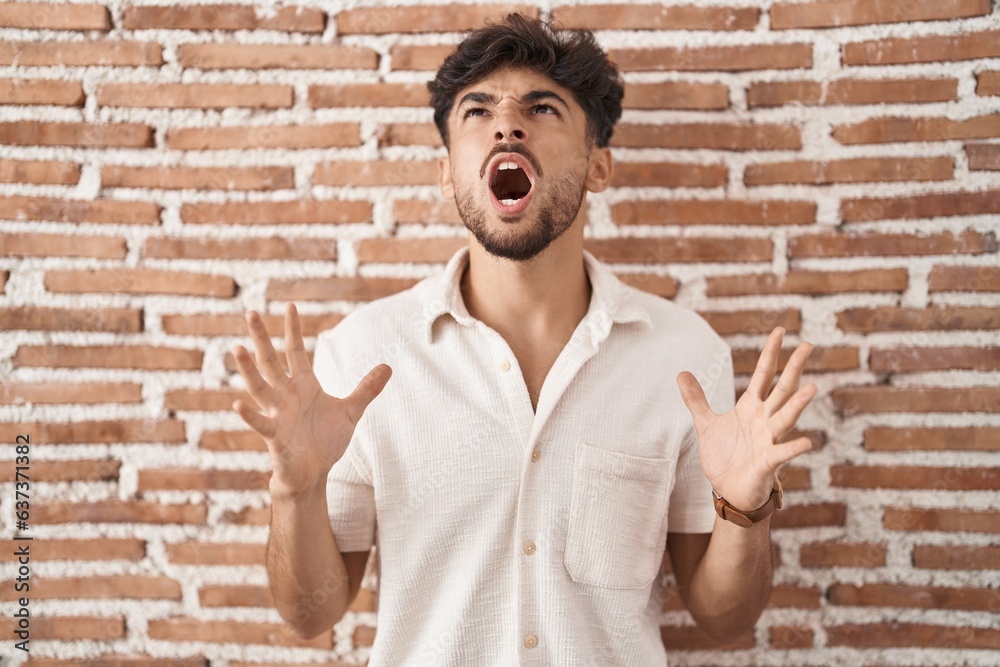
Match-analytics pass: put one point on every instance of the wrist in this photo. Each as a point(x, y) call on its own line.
point(746, 518)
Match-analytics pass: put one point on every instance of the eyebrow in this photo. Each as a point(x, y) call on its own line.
point(530, 96)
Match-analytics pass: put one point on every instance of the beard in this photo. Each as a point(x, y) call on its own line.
point(556, 213)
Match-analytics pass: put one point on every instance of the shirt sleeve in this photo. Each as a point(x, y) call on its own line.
point(349, 491)
point(691, 507)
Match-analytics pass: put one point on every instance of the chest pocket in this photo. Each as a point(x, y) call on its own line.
point(617, 528)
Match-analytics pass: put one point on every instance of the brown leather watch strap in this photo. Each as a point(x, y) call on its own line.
point(747, 519)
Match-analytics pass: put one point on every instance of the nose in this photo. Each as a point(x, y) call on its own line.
point(509, 125)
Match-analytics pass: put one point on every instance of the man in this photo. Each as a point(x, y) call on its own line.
point(531, 466)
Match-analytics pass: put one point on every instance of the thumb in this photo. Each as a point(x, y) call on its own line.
point(371, 385)
point(693, 396)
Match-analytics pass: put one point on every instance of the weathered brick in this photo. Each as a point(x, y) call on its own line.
point(83, 135)
point(851, 170)
point(686, 249)
point(369, 95)
point(424, 18)
point(232, 441)
point(921, 206)
point(124, 661)
point(664, 286)
point(719, 136)
point(73, 210)
point(753, 321)
point(668, 175)
point(881, 398)
point(983, 157)
point(713, 58)
point(676, 95)
point(376, 172)
point(223, 17)
point(202, 630)
point(836, 13)
point(914, 477)
point(276, 56)
point(914, 359)
point(194, 95)
point(842, 554)
point(140, 281)
point(875, 244)
point(74, 627)
point(413, 211)
point(808, 282)
point(178, 479)
point(116, 511)
point(948, 520)
point(41, 91)
point(429, 250)
point(81, 54)
point(336, 288)
point(243, 248)
point(39, 171)
point(932, 318)
point(235, 596)
point(693, 638)
point(810, 515)
point(895, 129)
point(329, 135)
point(111, 431)
point(822, 359)
point(364, 635)
point(787, 596)
point(423, 57)
point(202, 553)
point(198, 178)
point(889, 634)
point(236, 325)
point(713, 212)
point(54, 16)
point(935, 48)
point(946, 278)
point(787, 637)
point(408, 134)
point(104, 548)
point(988, 83)
point(851, 92)
point(67, 471)
point(923, 597)
point(657, 17)
point(970, 438)
point(114, 320)
point(146, 357)
point(126, 586)
point(17, 393)
point(956, 557)
point(60, 245)
point(204, 399)
point(309, 211)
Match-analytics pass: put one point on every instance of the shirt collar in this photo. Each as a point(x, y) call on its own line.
point(611, 300)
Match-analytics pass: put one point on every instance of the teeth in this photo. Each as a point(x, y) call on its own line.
point(507, 165)
point(509, 202)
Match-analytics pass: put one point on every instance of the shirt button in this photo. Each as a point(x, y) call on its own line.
point(505, 365)
point(535, 454)
point(531, 641)
point(529, 547)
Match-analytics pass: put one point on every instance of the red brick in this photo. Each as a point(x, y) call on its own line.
point(412, 211)
point(727, 323)
point(657, 17)
point(177, 479)
point(408, 134)
point(236, 325)
point(896, 129)
point(272, 248)
point(911, 635)
point(933, 48)
point(713, 58)
point(956, 557)
point(693, 638)
point(104, 548)
point(115, 320)
point(235, 596)
point(102, 432)
point(202, 630)
point(223, 17)
point(74, 627)
point(194, 95)
point(875, 244)
point(664, 286)
point(54, 16)
point(719, 136)
point(856, 170)
point(840, 554)
point(932, 318)
point(427, 18)
point(983, 157)
point(822, 359)
point(914, 477)
point(276, 56)
point(41, 91)
point(308, 211)
point(854, 400)
point(204, 399)
point(364, 635)
point(923, 597)
point(348, 288)
point(808, 282)
point(367, 95)
point(81, 54)
point(785, 637)
point(146, 357)
point(67, 471)
point(988, 83)
point(329, 135)
point(971, 521)
point(202, 553)
point(810, 515)
point(911, 359)
point(61, 245)
point(431, 250)
point(198, 178)
point(232, 441)
point(124, 661)
point(676, 95)
point(784, 596)
point(669, 175)
point(140, 281)
point(714, 212)
point(39, 171)
point(18, 393)
point(83, 135)
point(78, 210)
point(971, 438)
point(945, 278)
point(675, 249)
point(116, 511)
point(921, 206)
point(126, 586)
point(424, 57)
point(837, 13)
point(376, 173)
point(851, 92)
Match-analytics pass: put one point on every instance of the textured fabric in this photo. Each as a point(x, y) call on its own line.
point(496, 524)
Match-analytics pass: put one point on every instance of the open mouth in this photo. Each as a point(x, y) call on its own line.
point(510, 184)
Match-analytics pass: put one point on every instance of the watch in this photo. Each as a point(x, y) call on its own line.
point(747, 519)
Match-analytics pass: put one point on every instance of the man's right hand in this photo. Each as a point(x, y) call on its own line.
point(306, 429)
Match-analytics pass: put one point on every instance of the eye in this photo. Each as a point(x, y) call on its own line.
point(469, 112)
point(550, 108)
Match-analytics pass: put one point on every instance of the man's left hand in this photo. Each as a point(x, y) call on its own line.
point(738, 451)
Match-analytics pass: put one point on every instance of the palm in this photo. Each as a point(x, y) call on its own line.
point(738, 449)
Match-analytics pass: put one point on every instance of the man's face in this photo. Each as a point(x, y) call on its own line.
point(519, 161)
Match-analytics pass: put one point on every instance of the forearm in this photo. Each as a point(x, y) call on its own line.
point(730, 587)
point(305, 569)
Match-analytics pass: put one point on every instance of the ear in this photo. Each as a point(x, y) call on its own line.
point(599, 169)
point(444, 178)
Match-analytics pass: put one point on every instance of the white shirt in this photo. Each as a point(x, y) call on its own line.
point(507, 536)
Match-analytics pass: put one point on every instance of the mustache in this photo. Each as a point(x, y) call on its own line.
point(511, 148)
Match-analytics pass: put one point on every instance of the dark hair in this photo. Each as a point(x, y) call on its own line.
point(571, 58)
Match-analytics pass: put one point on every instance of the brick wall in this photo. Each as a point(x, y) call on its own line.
point(831, 167)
